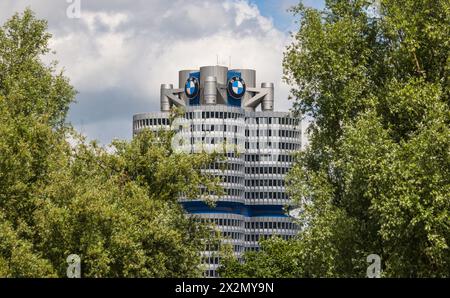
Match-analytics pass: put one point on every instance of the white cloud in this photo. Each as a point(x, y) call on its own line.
point(128, 48)
point(111, 20)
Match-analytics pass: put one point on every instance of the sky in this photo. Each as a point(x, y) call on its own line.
point(117, 53)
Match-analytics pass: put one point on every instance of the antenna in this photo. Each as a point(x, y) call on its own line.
point(217, 56)
point(229, 61)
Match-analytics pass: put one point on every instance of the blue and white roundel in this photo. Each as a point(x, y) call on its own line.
point(191, 88)
point(236, 87)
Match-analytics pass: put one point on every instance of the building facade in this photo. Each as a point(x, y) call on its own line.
point(225, 112)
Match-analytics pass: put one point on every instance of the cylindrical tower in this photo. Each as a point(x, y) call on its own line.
point(257, 147)
point(220, 73)
point(165, 103)
point(267, 102)
point(210, 90)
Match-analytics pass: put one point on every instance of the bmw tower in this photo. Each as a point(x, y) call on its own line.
point(225, 106)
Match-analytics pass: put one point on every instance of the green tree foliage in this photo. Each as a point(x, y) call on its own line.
point(59, 195)
point(374, 75)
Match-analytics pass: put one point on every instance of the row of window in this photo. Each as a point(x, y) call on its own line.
point(250, 237)
point(252, 182)
point(212, 127)
point(228, 191)
point(282, 133)
point(254, 238)
point(212, 114)
point(270, 225)
point(232, 179)
point(233, 115)
point(230, 222)
point(226, 166)
point(151, 122)
point(266, 195)
point(231, 192)
point(256, 145)
point(266, 170)
point(251, 195)
point(263, 144)
point(239, 129)
point(264, 182)
point(272, 120)
point(219, 115)
point(216, 140)
point(269, 157)
point(233, 235)
point(165, 121)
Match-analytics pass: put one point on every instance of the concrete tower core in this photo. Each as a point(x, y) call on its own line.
point(210, 93)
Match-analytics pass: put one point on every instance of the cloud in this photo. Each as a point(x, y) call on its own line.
point(119, 52)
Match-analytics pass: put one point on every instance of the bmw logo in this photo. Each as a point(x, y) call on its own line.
point(192, 87)
point(236, 87)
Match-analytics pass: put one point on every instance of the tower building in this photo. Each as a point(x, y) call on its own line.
point(225, 110)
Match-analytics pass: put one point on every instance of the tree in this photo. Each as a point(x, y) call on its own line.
point(374, 75)
point(115, 210)
point(60, 195)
